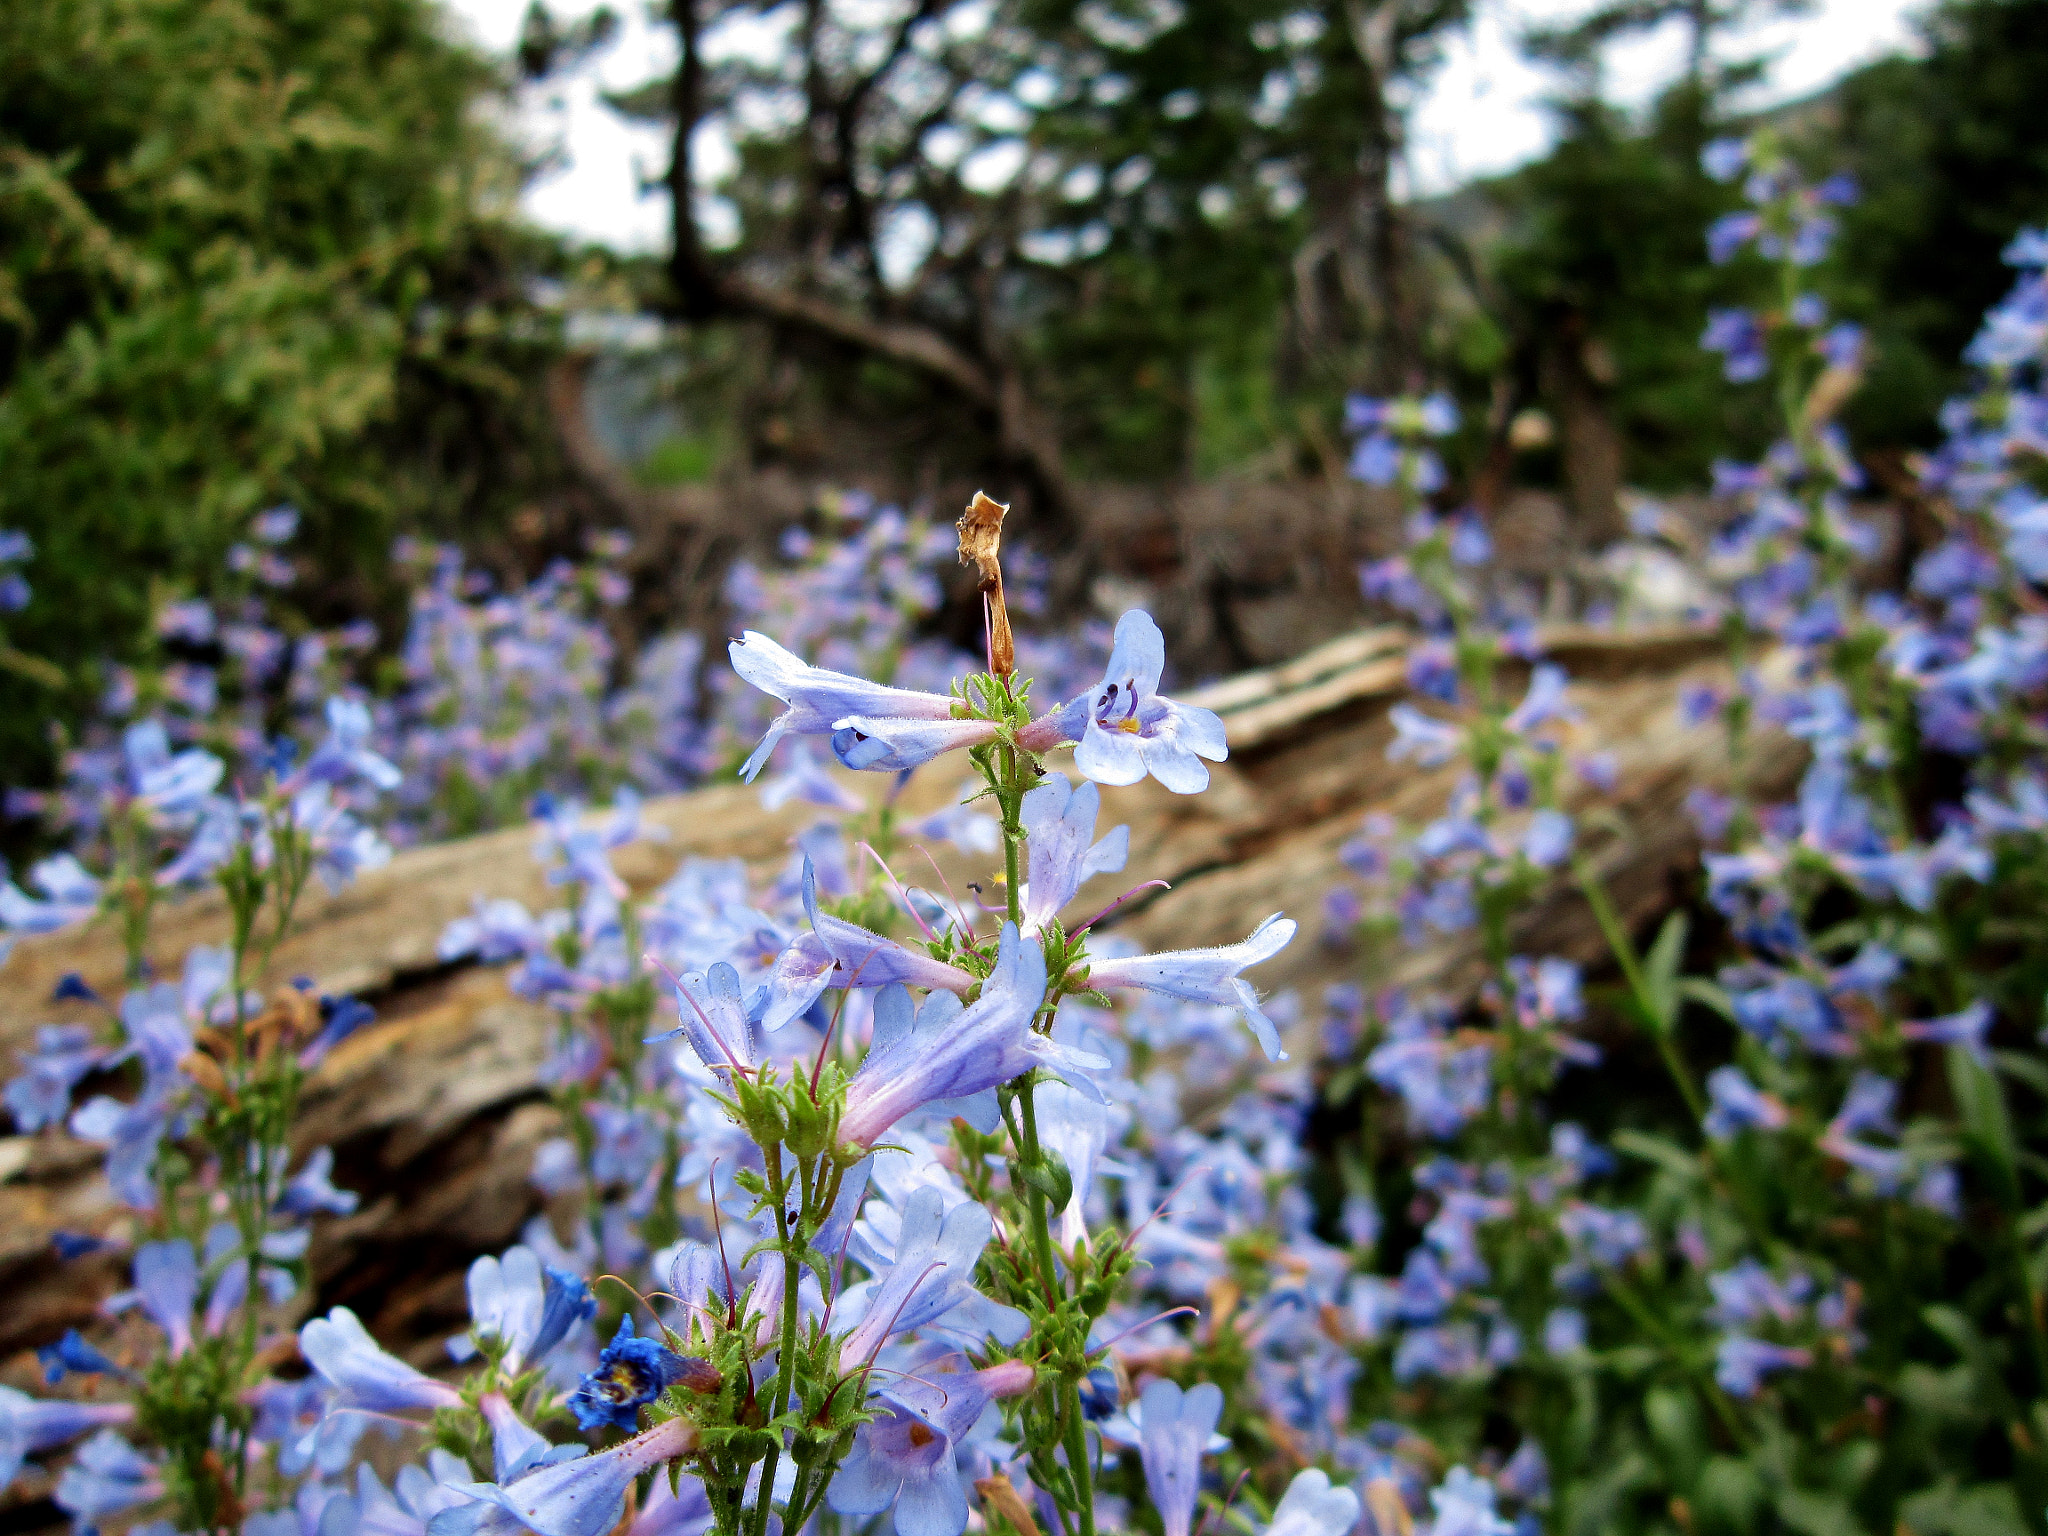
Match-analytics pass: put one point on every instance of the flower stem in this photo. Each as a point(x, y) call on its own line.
point(785, 1364)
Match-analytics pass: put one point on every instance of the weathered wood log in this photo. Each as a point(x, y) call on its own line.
point(434, 1114)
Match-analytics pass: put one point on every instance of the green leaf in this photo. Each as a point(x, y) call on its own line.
point(1987, 1129)
point(1660, 972)
point(1051, 1178)
point(1708, 994)
point(2028, 1069)
point(1655, 1149)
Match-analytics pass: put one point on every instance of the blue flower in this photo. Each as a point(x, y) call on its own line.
point(1730, 233)
point(1739, 1105)
point(715, 1021)
point(926, 1275)
point(1431, 743)
point(73, 1354)
point(167, 784)
point(531, 1308)
point(339, 1348)
point(871, 726)
point(312, 1190)
point(107, 1476)
point(1548, 840)
point(1736, 335)
point(1207, 976)
point(30, 1424)
point(1312, 1507)
point(1176, 1429)
point(581, 1497)
point(72, 895)
point(1059, 825)
point(631, 1373)
point(904, 1460)
point(951, 1053)
point(1723, 159)
point(1464, 1507)
point(836, 953)
point(1376, 460)
point(63, 1054)
point(1131, 731)
point(1966, 1028)
point(167, 1285)
point(1741, 1363)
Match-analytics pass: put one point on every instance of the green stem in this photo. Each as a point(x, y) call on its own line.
point(1013, 834)
point(1654, 1326)
point(1041, 1242)
point(1034, 1197)
point(1624, 950)
point(785, 1365)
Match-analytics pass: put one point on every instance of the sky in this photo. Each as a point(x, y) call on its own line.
point(1481, 114)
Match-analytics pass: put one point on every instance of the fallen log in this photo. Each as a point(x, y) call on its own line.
point(434, 1114)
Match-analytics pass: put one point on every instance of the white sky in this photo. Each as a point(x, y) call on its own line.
point(1483, 112)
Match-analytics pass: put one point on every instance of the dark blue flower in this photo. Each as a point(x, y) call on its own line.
point(72, 1353)
point(631, 1373)
point(71, 988)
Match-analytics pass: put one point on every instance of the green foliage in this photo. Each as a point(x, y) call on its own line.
point(251, 251)
point(1949, 154)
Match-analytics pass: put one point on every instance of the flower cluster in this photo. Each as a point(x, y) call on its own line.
point(934, 1214)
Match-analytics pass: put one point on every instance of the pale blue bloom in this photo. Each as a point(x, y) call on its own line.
point(1207, 976)
point(30, 1424)
point(924, 1277)
point(1741, 1363)
point(905, 1460)
point(952, 1055)
point(167, 1284)
point(107, 1476)
point(714, 1020)
point(70, 894)
point(1739, 1105)
point(363, 1375)
point(1464, 1507)
point(312, 1190)
point(1132, 731)
point(836, 953)
point(1312, 1507)
point(1175, 1430)
point(1430, 743)
point(63, 1054)
point(1059, 823)
point(581, 1497)
point(345, 755)
point(823, 703)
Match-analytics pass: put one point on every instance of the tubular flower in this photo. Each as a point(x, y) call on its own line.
point(903, 1460)
point(954, 1056)
point(1207, 976)
point(582, 1497)
point(1059, 822)
point(838, 953)
point(1175, 1429)
point(631, 1373)
point(854, 712)
point(363, 1376)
